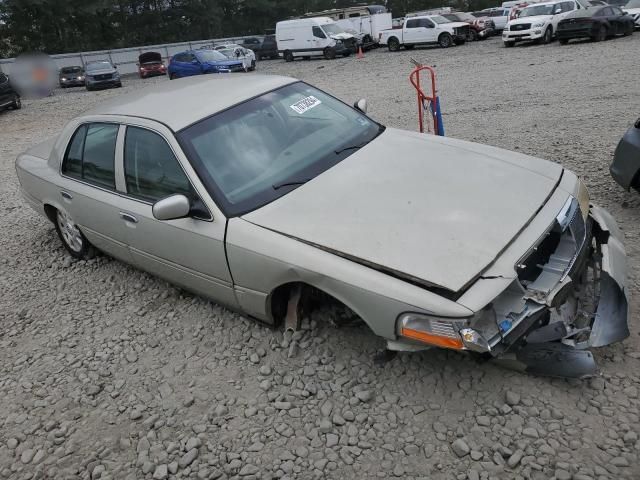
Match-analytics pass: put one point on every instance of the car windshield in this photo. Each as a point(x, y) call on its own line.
point(259, 150)
point(210, 56)
point(439, 19)
point(71, 70)
point(231, 52)
point(98, 66)
point(332, 29)
point(535, 10)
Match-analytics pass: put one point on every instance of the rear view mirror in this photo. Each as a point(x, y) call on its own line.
point(361, 105)
point(171, 208)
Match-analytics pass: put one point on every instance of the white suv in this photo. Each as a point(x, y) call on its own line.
point(537, 22)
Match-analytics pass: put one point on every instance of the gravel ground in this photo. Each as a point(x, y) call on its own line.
point(106, 372)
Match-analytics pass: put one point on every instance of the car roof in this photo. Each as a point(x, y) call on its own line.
point(180, 103)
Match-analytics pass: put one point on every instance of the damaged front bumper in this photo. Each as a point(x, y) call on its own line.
point(570, 294)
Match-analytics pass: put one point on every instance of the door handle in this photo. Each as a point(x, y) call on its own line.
point(66, 195)
point(127, 217)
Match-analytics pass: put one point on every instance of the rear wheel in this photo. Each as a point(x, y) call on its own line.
point(72, 238)
point(409, 47)
point(445, 40)
point(329, 53)
point(288, 56)
point(172, 76)
point(601, 34)
point(393, 44)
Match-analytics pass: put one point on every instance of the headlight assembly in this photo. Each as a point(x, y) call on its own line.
point(437, 331)
point(538, 25)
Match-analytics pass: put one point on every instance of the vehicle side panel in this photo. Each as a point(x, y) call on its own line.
point(377, 298)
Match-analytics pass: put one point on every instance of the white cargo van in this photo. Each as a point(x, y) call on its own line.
point(307, 37)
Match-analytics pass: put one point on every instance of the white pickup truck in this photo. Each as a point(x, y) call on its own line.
point(425, 30)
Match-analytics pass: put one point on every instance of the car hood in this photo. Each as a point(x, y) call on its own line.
point(534, 19)
point(102, 71)
point(455, 24)
point(432, 210)
point(148, 57)
point(342, 36)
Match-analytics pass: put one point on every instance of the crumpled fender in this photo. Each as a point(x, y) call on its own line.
point(610, 324)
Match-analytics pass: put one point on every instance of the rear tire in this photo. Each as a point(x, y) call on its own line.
point(288, 56)
point(601, 34)
point(393, 44)
point(409, 47)
point(329, 53)
point(72, 238)
point(445, 40)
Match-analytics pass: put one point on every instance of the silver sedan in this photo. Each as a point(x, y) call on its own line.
point(264, 192)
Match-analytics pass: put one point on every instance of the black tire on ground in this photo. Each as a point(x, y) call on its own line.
point(393, 44)
point(445, 40)
point(329, 53)
point(628, 30)
point(119, 84)
point(473, 35)
point(509, 44)
point(83, 250)
point(288, 56)
point(601, 34)
point(548, 35)
point(17, 103)
point(563, 41)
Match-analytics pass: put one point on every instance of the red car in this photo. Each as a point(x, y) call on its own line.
point(150, 64)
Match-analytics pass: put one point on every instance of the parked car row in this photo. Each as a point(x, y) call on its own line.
point(566, 20)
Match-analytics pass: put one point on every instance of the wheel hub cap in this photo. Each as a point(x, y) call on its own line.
point(70, 233)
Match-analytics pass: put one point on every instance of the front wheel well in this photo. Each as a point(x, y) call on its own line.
point(311, 298)
point(50, 211)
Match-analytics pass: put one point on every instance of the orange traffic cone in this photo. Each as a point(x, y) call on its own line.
point(360, 53)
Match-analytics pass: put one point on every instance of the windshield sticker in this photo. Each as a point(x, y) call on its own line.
point(305, 104)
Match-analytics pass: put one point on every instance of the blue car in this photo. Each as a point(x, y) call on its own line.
point(199, 62)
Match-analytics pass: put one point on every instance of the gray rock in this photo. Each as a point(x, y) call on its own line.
point(188, 458)
point(460, 448)
point(512, 398)
point(27, 455)
point(193, 442)
point(514, 459)
point(364, 396)
point(12, 443)
point(332, 440)
point(248, 469)
point(161, 472)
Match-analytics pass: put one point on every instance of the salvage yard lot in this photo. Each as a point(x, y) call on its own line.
point(106, 372)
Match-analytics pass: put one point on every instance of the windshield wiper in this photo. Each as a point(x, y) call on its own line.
point(277, 186)
point(350, 147)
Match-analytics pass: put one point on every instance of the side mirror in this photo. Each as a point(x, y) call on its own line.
point(624, 12)
point(557, 11)
point(361, 105)
point(195, 61)
point(115, 66)
point(171, 208)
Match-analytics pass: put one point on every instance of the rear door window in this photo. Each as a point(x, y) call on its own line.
point(91, 154)
point(414, 23)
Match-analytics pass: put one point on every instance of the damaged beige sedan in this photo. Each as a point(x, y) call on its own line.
point(264, 192)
